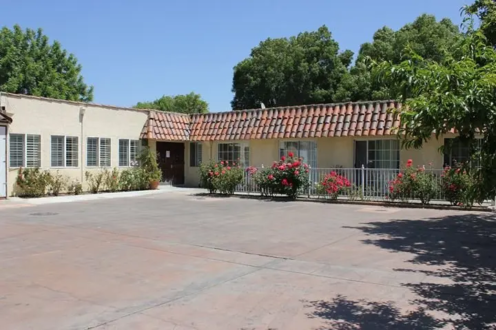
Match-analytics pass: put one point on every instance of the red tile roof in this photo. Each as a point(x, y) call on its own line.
point(322, 120)
point(167, 126)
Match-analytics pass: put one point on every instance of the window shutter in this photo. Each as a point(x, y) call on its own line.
point(92, 152)
point(57, 149)
point(105, 152)
point(16, 150)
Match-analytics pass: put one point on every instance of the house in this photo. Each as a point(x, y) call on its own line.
point(75, 137)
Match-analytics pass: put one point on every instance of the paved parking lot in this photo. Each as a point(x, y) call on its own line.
point(177, 261)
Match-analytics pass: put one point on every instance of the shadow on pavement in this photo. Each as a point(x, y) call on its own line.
point(460, 250)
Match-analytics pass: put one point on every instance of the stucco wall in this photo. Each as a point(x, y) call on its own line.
point(50, 117)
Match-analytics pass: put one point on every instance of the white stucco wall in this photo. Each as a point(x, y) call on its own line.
point(52, 117)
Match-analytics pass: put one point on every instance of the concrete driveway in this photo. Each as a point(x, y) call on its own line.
point(178, 261)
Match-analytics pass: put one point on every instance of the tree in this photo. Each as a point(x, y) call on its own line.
point(485, 10)
point(304, 69)
point(29, 64)
point(457, 94)
point(189, 103)
point(425, 36)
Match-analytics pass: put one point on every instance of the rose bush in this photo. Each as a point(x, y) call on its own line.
point(288, 176)
point(458, 186)
point(413, 183)
point(221, 176)
point(334, 184)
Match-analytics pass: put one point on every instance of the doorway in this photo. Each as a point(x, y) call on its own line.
point(3, 162)
point(171, 161)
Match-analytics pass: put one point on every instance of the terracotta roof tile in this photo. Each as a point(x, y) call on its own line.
point(325, 120)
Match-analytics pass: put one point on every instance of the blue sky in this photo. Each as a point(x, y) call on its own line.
point(140, 50)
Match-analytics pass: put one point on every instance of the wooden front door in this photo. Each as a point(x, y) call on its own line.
point(171, 161)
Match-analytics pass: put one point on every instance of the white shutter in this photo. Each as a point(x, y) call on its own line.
point(123, 152)
point(71, 151)
point(33, 151)
point(105, 152)
point(57, 151)
point(16, 150)
point(92, 151)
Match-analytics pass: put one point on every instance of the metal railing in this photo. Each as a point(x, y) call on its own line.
point(365, 183)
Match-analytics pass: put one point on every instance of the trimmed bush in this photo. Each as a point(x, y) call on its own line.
point(221, 176)
point(32, 182)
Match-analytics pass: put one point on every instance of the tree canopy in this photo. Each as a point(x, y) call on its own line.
point(304, 69)
point(458, 93)
point(29, 64)
point(188, 103)
point(426, 36)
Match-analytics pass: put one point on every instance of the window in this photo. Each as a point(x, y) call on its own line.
point(57, 151)
point(105, 152)
point(98, 152)
point(16, 150)
point(64, 151)
point(71, 151)
point(234, 152)
point(33, 151)
point(128, 152)
point(304, 149)
point(195, 154)
point(92, 152)
point(25, 150)
point(134, 152)
point(457, 151)
point(377, 154)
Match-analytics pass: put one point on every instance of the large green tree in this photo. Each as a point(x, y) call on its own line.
point(188, 103)
point(485, 10)
point(426, 36)
point(457, 93)
point(29, 64)
point(307, 68)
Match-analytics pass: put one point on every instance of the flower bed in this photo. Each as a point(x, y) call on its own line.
point(221, 176)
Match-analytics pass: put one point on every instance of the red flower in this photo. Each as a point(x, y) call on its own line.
point(223, 172)
point(391, 188)
point(222, 162)
point(216, 173)
point(296, 172)
point(457, 171)
point(228, 168)
point(296, 164)
point(284, 182)
point(215, 165)
point(400, 175)
point(306, 171)
point(283, 158)
point(234, 164)
point(289, 165)
point(270, 177)
point(281, 168)
point(409, 163)
point(290, 154)
point(210, 173)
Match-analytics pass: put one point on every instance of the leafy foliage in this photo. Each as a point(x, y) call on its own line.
point(288, 176)
point(95, 181)
point(32, 182)
point(485, 10)
point(147, 160)
point(425, 36)
point(455, 94)
point(57, 183)
point(29, 64)
point(304, 69)
point(221, 176)
point(458, 186)
point(189, 103)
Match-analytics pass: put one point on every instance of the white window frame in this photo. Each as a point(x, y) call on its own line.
point(282, 151)
point(198, 157)
point(64, 154)
point(98, 151)
point(130, 161)
point(25, 150)
point(367, 152)
point(244, 162)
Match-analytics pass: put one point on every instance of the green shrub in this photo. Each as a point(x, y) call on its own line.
point(32, 182)
point(111, 179)
point(222, 176)
point(287, 177)
point(75, 188)
point(458, 186)
point(58, 183)
point(95, 181)
point(414, 183)
point(147, 161)
point(134, 179)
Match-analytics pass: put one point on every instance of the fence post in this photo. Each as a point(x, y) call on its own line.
point(309, 182)
point(363, 181)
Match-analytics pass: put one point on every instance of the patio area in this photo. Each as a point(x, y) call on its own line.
point(175, 260)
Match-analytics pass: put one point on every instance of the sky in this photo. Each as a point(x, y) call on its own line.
point(134, 51)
